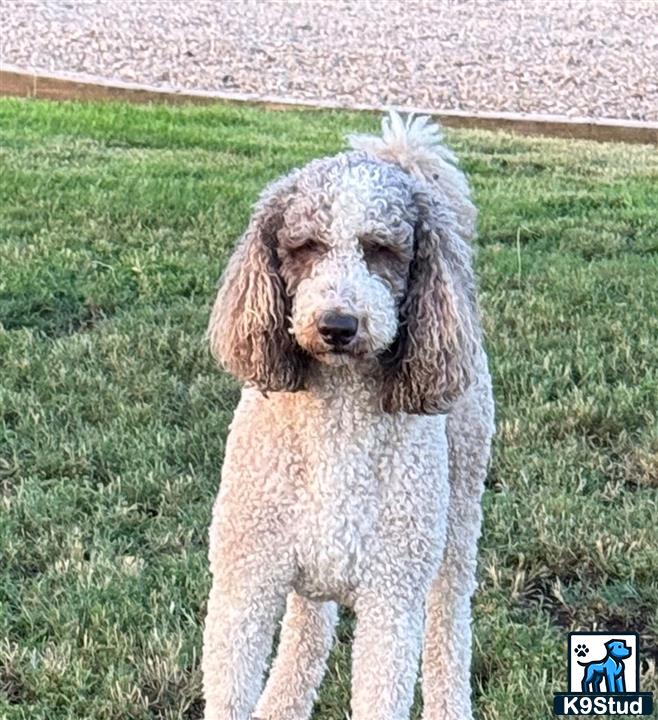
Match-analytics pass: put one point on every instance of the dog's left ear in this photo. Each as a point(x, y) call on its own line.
point(431, 363)
point(249, 329)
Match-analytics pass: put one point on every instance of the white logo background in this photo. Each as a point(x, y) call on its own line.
point(597, 651)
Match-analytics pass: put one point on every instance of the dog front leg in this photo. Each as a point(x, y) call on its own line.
point(385, 657)
point(307, 635)
point(610, 680)
point(447, 652)
point(620, 685)
point(236, 643)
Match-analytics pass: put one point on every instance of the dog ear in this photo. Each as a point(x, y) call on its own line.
point(249, 325)
point(431, 363)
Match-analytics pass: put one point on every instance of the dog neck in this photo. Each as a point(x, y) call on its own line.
point(351, 384)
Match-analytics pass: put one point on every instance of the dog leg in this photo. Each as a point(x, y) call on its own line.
point(236, 643)
point(620, 686)
point(307, 635)
point(447, 652)
point(385, 655)
point(446, 680)
point(590, 678)
point(610, 680)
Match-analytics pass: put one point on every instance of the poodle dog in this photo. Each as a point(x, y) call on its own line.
point(356, 458)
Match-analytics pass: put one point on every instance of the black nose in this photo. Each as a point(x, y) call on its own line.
point(336, 329)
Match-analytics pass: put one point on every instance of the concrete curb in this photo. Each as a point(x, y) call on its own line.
point(18, 82)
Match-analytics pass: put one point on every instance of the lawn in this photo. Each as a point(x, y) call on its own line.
point(115, 222)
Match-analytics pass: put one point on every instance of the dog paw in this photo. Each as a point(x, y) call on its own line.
point(581, 650)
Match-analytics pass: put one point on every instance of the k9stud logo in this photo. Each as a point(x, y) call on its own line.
point(603, 671)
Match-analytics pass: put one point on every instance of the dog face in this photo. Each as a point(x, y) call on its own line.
point(345, 249)
point(618, 649)
point(351, 259)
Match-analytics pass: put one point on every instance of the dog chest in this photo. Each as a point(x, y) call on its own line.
point(373, 498)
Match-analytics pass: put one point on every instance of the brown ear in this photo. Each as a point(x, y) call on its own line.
point(249, 325)
point(431, 364)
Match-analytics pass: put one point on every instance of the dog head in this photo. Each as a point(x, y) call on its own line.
point(618, 649)
point(358, 259)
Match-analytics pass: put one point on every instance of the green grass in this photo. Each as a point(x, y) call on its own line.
point(114, 224)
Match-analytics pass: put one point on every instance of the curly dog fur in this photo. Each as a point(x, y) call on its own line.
point(357, 455)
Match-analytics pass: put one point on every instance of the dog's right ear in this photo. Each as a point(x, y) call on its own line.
point(249, 325)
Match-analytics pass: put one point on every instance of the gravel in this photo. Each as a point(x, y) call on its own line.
point(595, 58)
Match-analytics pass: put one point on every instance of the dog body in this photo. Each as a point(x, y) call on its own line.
point(611, 669)
point(356, 458)
point(348, 528)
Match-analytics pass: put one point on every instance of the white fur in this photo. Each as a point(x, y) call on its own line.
point(325, 498)
point(417, 147)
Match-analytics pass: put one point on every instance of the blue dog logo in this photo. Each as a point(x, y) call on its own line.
point(603, 674)
point(611, 669)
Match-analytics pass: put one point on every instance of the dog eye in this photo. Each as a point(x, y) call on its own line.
point(308, 245)
point(377, 251)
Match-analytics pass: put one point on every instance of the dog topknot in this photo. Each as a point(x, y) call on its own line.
point(416, 145)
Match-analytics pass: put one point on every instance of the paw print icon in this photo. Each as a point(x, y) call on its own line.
point(581, 650)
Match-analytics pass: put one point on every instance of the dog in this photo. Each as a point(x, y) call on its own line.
point(356, 458)
point(611, 669)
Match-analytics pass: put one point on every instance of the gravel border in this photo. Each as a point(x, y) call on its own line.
point(592, 58)
point(77, 86)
